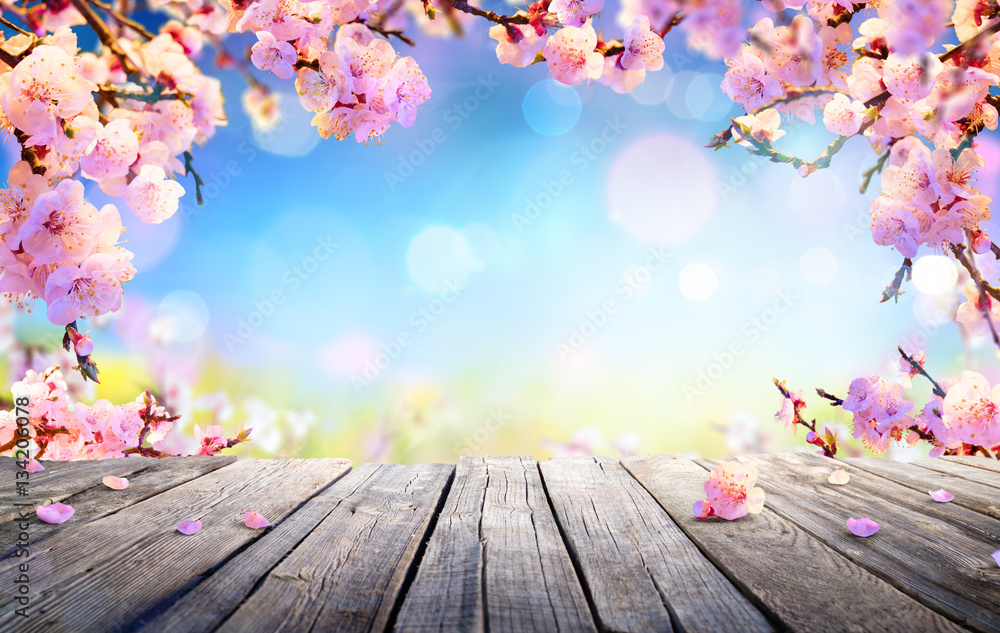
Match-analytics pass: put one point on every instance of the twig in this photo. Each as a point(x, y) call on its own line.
point(122, 19)
point(11, 25)
point(918, 368)
point(104, 34)
point(836, 402)
point(985, 290)
point(506, 20)
point(904, 273)
point(866, 176)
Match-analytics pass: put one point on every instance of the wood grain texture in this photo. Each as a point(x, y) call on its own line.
point(968, 494)
point(641, 571)
point(98, 501)
point(107, 573)
point(496, 543)
point(978, 461)
point(792, 576)
point(940, 564)
point(982, 476)
point(211, 601)
point(348, 573)
point(61, 480)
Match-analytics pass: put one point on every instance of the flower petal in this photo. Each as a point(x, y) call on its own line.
point(862, 527)
point(839, 477)
point(254, 520)
point(55, 512)
point(118, 483)
point(189, 527)
point(996, 556)
point(755, 501)
point(34, 466)
point(942, 496)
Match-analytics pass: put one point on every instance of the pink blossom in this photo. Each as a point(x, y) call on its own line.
point(833, 59)
point(914, 25)
point(968, 18)
point(93, 288)
point(879, 411)
point(955, 176)
point(45, 87)
point(320, 91)
point(61, 226)
point(703, 509)
point(941, 496)
point(915, 181)
point(115, 149)
point(254, 520)
point(843, 116)
point(189, 527)
point(364, 66)
point(643, 47)
point(575, 12)
point(211, 440)
point(34, 466)
point(747, 83)
point(270, 54)
point(786, 415)
point(970, 313)
point(115, 483)
point(911, 77)
point(282, 18)
point(619, 79)
point(404, 90)
point(762, 125)
point(792, 53)
point(839, 477)
point(55, 512)
point(865, 80)
point(862, 527)
point(151, 196)
point(971, 410)
point(894, 225)
point(906, 368)
point(731, 490)
point(571, 57)
point(521, 49)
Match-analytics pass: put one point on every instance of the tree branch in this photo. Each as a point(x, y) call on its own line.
point(104, 34)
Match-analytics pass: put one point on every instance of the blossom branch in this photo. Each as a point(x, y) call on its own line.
point(505, 20)
point(121, 19)
point(104, 34)
point(905, 273)
point(986, 291)
point(11, 25)
point(918, 368)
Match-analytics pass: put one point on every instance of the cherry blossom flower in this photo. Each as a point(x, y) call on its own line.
point(575, 12)
point(941, 496)
point(954, 176)
point(643, 47)
point(839, 477)
point(914, 181)
point(747, 83)
point(189, 527)
point(843, 116)
point(364, 66)
point(762, 125)
point(254, 521)
point(914, 25)
point(968, 18)
point(61, 226)
point(211, 440)
point(517, 45)
point(862, 527)
point(151, 196)
point(619, 79)
point(55, 512)
point(93, 288)
point(115, 483)
point(115, 149)
point(833, 59)
point(570, 55)
point(270, 54)
point(971, 410)
point(879, 412)
point(731, 492)
point(911, 77)
point(44, 88)
point(320, 91)
point(970, 313)
point(703, 509)
point(894, 225)
point(404, 90)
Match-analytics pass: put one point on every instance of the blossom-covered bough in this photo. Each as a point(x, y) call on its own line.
point(916, 78)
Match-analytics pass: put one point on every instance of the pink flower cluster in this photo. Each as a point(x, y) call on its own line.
point(60, 429)
point(359, 86)
point(731, 492)
point(55, 245)
point(574, 52)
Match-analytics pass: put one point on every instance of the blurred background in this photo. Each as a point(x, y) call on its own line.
point(529, 269)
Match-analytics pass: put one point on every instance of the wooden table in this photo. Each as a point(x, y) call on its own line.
point(503, 544)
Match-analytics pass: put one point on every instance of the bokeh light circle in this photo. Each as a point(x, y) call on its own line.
point(818, 198)
point(655, 89)
point(705, 100)
point(934, 274)
point(661, 190)
point(818, 265)
point(697, 281)
point(551, 108)
point(438, 257)
point(293, 135)
point(185, 313)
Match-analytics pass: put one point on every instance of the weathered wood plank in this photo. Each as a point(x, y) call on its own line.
point(126, 565)
point(61, 480)
point(968, 494)
point(348, 573)
point(934, 561)
point(979, 475)
point(978, 461)
point(640, 569)
point(97, 501)
point(496, 536)
point(210, 602)
point(791, 575)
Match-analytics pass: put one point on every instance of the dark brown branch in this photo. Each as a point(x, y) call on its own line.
point(104, 34)
point(122, 19)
